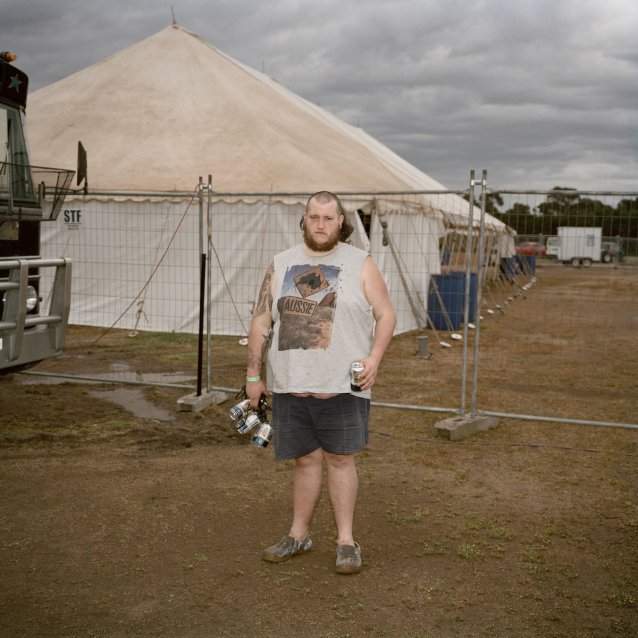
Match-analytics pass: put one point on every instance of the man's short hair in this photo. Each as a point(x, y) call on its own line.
point(325, 197)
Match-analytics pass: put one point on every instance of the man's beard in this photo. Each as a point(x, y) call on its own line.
point(326, 246)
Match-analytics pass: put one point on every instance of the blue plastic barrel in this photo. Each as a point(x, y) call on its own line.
point(450, 299)
point(509, 267)
point(527, 264)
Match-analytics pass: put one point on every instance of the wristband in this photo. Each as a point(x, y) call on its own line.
point(250, 379)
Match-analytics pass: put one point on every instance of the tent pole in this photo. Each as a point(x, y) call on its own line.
point(416, 311)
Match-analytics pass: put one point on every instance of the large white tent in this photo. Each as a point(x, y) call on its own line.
point(159, 114)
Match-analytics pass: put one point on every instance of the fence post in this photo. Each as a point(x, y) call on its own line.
point(209, 273)
point(202, 277)
point(479, 287)
point(198, 401)
point(468, 276)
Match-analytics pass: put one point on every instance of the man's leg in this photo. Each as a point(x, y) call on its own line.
point(306, 492)
point(343, 485)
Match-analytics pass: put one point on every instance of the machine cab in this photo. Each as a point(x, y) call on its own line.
point(30, 329)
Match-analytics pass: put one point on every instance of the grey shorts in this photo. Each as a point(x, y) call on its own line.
point(302, 425)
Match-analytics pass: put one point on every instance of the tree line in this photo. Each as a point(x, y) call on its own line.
point(566, 207)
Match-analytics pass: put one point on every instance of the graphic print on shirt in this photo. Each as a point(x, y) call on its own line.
point(307, 306)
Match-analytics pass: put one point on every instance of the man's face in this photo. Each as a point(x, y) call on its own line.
point(322, 226)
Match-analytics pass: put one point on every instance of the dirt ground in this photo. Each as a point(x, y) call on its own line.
point(142, 521)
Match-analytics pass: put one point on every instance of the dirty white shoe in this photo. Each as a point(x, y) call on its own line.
point(348, 559)
point(286, 548)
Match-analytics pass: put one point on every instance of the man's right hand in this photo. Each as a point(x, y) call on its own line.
point(254, 391)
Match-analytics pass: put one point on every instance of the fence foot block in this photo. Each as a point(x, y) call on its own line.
point(460, 427)
point(194, 403)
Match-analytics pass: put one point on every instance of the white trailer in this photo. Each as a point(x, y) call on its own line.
point(579, 246)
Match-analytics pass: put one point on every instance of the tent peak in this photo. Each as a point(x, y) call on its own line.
point(174, 23)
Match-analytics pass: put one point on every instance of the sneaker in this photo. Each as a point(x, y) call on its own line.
point(286, 548)
point(348, 559)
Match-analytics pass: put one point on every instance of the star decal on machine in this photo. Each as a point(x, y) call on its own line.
point(14, 83)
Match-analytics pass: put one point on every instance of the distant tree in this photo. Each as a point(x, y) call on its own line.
point(516, 211)
point(492, 201)
point(566, 207)
point(519, 210)
point(559, 201)
point(628, 206)
point(628, 214)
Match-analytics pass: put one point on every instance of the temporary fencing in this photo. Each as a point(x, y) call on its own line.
point(577, 313)
point(449, 266)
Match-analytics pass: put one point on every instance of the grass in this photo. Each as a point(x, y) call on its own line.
point(400, 518)
point(621, 600)
point(198, 559)
point(469, 551)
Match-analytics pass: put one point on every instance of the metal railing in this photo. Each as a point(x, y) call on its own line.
point(27, 337)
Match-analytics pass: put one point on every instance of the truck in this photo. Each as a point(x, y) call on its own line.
point(579, 245)
point(32, 327)
point(551, 247)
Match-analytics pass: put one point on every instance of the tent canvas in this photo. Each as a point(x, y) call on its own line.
point(158, 114)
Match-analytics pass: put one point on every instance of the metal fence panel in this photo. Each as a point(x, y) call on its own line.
point(578, 319)
point(544, 325)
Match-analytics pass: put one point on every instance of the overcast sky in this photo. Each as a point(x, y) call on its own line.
point(541, 93)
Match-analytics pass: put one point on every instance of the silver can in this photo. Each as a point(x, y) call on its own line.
point(355, 370)
point(263, 435)
point(249, 423)
point(240, 411)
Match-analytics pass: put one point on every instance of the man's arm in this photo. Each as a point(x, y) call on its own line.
point(376, 292)
point(258, 336)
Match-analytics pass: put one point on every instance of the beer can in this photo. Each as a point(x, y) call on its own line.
point(263, 435)
point(248, 424)
point(239, 411)
point(355, 369)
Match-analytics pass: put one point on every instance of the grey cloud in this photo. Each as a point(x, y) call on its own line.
point(532, 90)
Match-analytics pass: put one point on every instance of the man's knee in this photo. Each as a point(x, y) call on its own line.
point(311, 459)
point(339, 461)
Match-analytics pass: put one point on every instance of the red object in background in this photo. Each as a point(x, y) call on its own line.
point(529, 248)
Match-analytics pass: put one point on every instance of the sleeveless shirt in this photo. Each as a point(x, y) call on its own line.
point(322, 321)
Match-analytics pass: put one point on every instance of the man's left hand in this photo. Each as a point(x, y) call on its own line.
point(367, 378)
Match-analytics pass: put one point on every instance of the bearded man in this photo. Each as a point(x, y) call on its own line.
point(325, 305)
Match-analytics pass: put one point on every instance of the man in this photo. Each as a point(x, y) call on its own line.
point(325, 305)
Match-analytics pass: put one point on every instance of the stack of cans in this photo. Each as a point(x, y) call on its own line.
point(246, 420)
